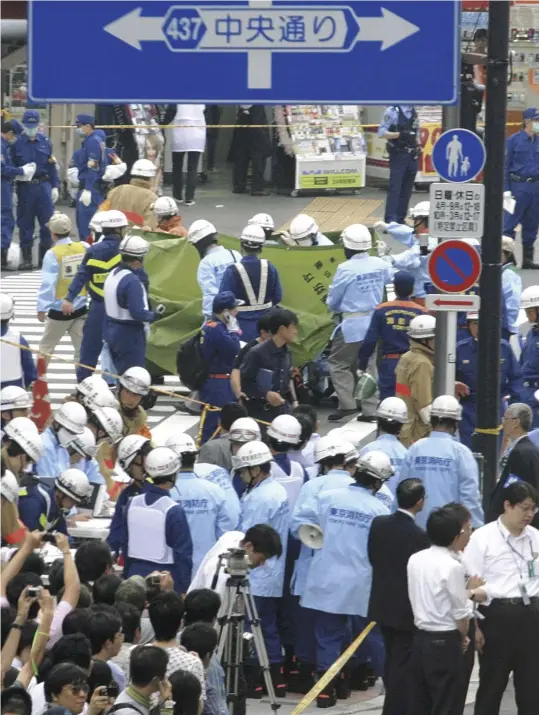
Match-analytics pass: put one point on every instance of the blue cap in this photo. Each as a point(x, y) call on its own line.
point(403, 282)
point(31, 118)
point(530, 113)
point(225, 300)
point(85, 119)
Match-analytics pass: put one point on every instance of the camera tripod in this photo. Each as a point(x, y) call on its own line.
point(241, 609)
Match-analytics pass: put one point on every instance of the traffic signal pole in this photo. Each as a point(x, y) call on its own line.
point(486, 437)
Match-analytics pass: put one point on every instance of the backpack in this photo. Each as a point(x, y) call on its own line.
point(193, 370)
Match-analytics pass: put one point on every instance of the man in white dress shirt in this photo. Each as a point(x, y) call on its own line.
point(442, 611)
point(506, 553)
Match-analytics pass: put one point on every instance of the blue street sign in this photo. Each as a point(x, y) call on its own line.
point(245, 51)
point(458, 156)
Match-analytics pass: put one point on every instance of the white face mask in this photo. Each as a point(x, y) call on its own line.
point(535, 127)
point(31, 131)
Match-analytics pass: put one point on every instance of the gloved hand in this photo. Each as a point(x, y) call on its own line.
point(381, 226)
point(508, 202)
point(29, 171)
point(382, 248)
point(159, 309)
point(287, 239)
point(360, 373)
point(86, 197)
point(232, 325)
point(54, 195)
point(114, 171)
point(388, 259)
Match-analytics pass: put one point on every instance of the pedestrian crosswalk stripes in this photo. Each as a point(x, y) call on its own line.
point(23, 288)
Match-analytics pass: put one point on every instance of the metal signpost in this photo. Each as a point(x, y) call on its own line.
point(250, 51)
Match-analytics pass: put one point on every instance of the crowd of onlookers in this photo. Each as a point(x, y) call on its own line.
point(76, 638)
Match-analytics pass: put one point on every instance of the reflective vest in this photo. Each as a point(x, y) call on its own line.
point(10, 357)
point(112, 308)
point(97, 281)
point(69, 257)
point(292, 483)
point(44, 522)
point(146, 529)
point(255, 302)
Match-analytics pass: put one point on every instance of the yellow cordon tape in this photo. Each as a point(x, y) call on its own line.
point(489, 430)
point(159, 390)
point(332, 672)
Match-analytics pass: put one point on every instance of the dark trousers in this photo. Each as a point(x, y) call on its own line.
point(268, 612)
point(511, 645)
point(245, 153)
point(436, 674)
point(402, 170)
point(398, 646)
point(177, 174)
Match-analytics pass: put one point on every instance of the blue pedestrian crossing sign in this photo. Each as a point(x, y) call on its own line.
point(458, 156)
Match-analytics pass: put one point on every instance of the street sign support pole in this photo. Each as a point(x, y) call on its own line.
point(446, 330)
point(486, 438)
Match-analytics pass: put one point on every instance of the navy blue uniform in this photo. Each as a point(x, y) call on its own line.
point(35, 196)
point(91, 161)
point(248, 315)
point(219, 348)
point(9, 172)
point(38, 508)
point(466, 372)
point(389, 326)
point(98, 261)
point(522, 179)
point(403, 159)
point(266, 368)
point(529, 366)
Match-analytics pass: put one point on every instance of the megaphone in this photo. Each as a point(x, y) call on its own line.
point(311, 535)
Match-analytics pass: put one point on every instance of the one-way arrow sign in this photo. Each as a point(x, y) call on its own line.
point(247, 51)
point(456, 302)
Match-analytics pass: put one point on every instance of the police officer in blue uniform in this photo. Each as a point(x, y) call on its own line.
point(253, 280)
point(127, 307)
point(466, 373)
point(400, 126)
point(389, 327)
point(36, 197)
point(92, 162)
point(529, 359)
point(219, 346)
point(96, 265)
point(9, 173)
point(522, 180)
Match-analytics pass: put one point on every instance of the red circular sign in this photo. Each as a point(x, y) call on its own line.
point(454, 266)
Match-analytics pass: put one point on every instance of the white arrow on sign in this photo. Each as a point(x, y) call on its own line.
point(455, 302)
point(389, 29)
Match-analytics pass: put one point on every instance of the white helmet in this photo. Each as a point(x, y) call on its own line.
point(7, 306)
point(346, 434)
point(422, 326)
point(9, 487)
point(264, 220)
point(13, 257)
point(472, 316)
point(420, 210)
point(244, 429)
point(13, 397)
point(90, 387)
point(530, 297)
point(165, 206)
point(128, 449)
point(200, 229)
point(357, 237)
point(377, 464)
point(103, 399)
point(136, 246)
point(508, 244)
point(393, 409)
point(111, 422)
point(114, 219)
point(285, 428)
point(73, 483)
point(301, 228)
point(446, 406)
point(351, 454)
point(84, 443)
point(253, 454)
point(330, 446)
point(182, 444)
point(96, 222)
point(72, 416)
point(253, 236)
point(144, 168)
point(137, 380)
point(162, 462)
point(24, 432)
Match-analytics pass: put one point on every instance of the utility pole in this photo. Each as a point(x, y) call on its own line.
point(486, 437)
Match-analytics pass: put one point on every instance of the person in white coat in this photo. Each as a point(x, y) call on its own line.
point(188, 137)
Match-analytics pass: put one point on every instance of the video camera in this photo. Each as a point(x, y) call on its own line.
point(236, 562)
